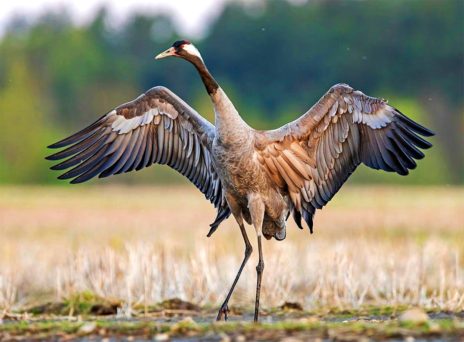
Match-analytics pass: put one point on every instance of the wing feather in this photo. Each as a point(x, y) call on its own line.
point(343, 129)
point(157, 127)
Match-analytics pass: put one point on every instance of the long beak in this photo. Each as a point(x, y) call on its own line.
point(169, 52)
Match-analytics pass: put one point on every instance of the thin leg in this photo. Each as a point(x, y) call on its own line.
point(259, 271)
point(248, 249)
point(256, 207)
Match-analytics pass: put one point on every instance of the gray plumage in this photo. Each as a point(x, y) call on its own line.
point(259, 176)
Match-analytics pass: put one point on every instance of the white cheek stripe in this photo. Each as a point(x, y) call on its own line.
point(192, 50)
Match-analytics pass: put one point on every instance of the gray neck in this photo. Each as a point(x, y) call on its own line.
point(229, 125)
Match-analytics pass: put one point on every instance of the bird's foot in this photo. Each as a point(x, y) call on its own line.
point(224, 310)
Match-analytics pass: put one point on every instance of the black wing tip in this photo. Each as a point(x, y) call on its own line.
point(424, 131)
point(105, 174)
point(78, 136)
point(426, 147)
point(64, 176)
point(429, 133)
point(51, 157)
point(418, 128)
point(308, 216)
point(402, 172)
point(58, 144)
point(213, 228)
point(76, 180)
point(65, 142)
point(223, 214)
point(82, 179)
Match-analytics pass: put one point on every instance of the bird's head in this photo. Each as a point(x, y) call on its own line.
point(183, 49)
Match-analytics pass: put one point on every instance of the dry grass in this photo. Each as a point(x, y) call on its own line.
point(377, 245)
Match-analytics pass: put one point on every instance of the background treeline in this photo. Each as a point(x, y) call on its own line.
point(274, 58)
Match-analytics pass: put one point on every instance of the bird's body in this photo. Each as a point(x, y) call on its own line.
point(242, 176)
point(235, 158)
point(261, 177)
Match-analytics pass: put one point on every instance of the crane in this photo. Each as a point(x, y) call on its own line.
point(260, 177)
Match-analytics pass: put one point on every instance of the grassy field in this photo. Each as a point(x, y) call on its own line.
point(80, 252)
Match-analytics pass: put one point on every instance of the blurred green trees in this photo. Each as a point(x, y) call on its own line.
point(24, 127)
point(275, 59)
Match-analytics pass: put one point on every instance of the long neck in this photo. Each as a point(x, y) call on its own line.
point(230, 126)
point(210, 83)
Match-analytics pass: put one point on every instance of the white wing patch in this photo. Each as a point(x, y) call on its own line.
point(121, 125)
point(363, 112)
point(376, 120)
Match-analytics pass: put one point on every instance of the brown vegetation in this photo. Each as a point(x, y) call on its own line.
point(377, 245)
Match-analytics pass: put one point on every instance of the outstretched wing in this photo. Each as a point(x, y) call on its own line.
point(157, 127)
point(314, 155)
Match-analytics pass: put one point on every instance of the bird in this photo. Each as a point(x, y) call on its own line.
point(259, 177)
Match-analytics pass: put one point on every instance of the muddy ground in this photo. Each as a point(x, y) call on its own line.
point(175, 320)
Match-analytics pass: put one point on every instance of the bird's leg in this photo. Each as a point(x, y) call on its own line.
point(248, 249)
point(259, 271)
point(256, 207)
